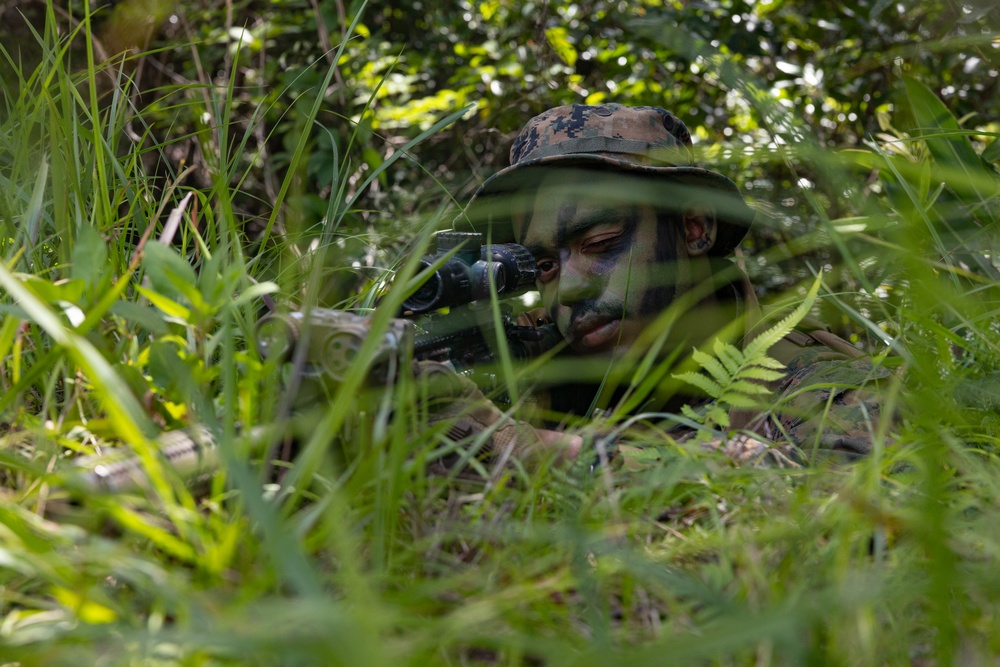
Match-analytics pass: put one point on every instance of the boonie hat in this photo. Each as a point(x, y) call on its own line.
point(645, 141)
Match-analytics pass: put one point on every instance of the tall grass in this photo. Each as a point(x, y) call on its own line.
point(361, 556)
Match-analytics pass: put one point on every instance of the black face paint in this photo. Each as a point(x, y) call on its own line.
point(618, 250)
point(623, 245)
point(607, 259)
point(663, 293)
point(564, 219)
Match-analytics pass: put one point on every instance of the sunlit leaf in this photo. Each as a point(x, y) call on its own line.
point(992, 152)
point(168, 306)
point(169, 273)
point(558, 39)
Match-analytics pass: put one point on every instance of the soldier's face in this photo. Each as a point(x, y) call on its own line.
point(607, 268)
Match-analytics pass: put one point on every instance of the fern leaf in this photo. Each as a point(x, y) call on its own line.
point(703, 382)
point(761, 374)
point(729, 355)
point(719, 416)
point(762, 343)
point(712, 365)
point(734, 378)
point(689, 412)
point(747, 387)
point(768, 362)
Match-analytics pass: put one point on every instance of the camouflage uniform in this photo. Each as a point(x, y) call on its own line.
point(828, 406)
point(830, 400)
point(841, 411)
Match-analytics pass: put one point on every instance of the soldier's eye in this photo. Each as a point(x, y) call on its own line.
point(547, 269)
point(602, 243)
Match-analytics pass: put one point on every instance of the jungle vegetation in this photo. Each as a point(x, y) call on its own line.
point(169, 171)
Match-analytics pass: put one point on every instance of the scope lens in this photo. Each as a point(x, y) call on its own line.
point(448, 286)
point(426, 295)
point(499, 277)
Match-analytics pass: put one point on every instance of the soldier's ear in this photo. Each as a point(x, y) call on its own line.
point(700, 228)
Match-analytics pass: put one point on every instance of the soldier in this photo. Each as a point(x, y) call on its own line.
point(624, 227)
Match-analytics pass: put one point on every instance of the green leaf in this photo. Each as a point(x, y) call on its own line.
point(52, 293)
point(763, 374)
point(702, 382)
point(729, 355)
point(992, 152)
point(947, 141)
point(169, 370)
point(90, 257)
point(169, 273)
point(690, 413)
point(255, 292)
point(559, 41)
point(87, 610)
point(712, 365)
point(748, 387)
point(7, 332)
point(212, 290)
point(719, 416)
point(768, 362)
point(32, 219)
point(146, 317)
point(167, 305)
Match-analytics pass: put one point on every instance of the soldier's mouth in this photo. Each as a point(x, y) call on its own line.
point(597, 333)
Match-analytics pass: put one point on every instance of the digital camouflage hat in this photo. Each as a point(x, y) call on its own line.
point(645, 141)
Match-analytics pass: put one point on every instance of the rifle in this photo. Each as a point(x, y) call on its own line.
point(321, 344)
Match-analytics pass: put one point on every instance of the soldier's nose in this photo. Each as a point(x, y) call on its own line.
point(576, 284)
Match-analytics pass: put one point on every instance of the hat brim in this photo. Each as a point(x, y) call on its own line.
point(512, 190)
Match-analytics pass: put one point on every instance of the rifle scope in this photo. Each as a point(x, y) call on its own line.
point(467, 275)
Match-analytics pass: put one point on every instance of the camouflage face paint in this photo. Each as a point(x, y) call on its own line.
point(607, 267)
point(659, 296)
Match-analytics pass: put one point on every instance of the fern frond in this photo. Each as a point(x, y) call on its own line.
point(706, 384)
point(712, 365)
point(736, 378)
point(762, 374)
point(759, 346)
point(729, 355)
point(747, 387)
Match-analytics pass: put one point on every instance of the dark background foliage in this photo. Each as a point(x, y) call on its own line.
point(772, 92)
point(150, 204)
point(728, 68)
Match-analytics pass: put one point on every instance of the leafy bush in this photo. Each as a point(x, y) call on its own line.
point(131, 288)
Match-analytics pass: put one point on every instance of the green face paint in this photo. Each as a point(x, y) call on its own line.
point(608, 267)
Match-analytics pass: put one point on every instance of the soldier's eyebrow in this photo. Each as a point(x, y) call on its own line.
point(571, 229)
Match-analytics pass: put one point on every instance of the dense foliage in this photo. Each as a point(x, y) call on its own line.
point(166, 169)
